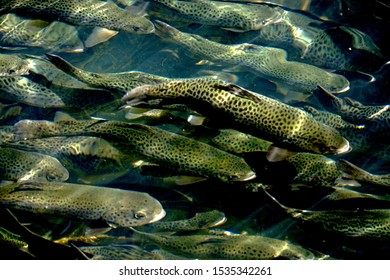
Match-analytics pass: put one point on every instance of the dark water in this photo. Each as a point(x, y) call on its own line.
point(246, 211)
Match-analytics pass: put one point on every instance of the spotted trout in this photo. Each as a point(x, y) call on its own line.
point(13, 65)
point(233, 247)
point(231, 16)
point(269, 63)
point(249, 112)
point(156, 145)
point(87, 13)
point(116, 207)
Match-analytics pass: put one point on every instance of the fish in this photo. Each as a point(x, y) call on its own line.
point(118, 82)
point(318, 42)
point(86, 13)
point(315, 170)
point(9, 111)
point(231, 16)
point(202, 220)
point(116, 207)
point(364, 224)
point(22, 89)
point(13, 65)
point(90, 160)
point(118, 252)
point(361, 175)
point(156, 145)
point(250, 113)
point(358, 136)
point(267, 62)
point(19, 33)
point(234, 247)
point(375, 118)
point(11, 240)
point(18, 165)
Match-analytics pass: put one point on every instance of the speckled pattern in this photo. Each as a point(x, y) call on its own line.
point(86, 12)
point(12, 65)
point(269, 63)
point(83, 202)
point(200, 221)
point(237, 247)
point(17, 32)
point(316, 170)
point(234, 16)
point(22, 165)
point(159, 146)
point(21, 89)
point(251, 113)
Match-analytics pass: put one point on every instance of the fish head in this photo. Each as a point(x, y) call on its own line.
point(134, 209)
point(47, 169)
point(12, 65)
point(335, 83)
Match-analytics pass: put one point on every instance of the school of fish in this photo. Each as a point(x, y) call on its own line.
point(192, 129)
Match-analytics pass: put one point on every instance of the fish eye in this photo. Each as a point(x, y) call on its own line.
point(140, 215)
point(11, 71)
point(50, 177)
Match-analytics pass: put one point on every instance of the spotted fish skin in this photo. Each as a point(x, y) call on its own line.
point(13, 65)
point(22, 165)
point(370, 224)
point(315, 170)
point(269, 63)
point(203, 220)
point(362, 175)
point(250, 113)
point(375, 118)
point(157, 145)
point(23, 90)
point(232, 16)
point(119, 252)
point(86, 13)
point(11, 240)
point(17, 32)
point(237, 247)
point(91, 160)
point(311, 40)
point(118, 82)
point(83, 202)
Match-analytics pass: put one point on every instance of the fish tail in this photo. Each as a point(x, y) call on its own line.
point(328, 100)
point(63, 65)
point(352, 170)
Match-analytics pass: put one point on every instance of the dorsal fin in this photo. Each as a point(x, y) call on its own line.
point(239, 91)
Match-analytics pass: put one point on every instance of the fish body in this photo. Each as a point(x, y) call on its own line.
point(23, 90)
point(13, 65)
point(9, 111)
point(375, 118)
point(315, 170)
point(17, 32)
point(234, 247)
point(203, 220)
point(368, 224)
point(118, 82)
point(86, 13)
point(250, 113)
point(269, 63)
point(156, 145)
point(83, 202)
point(363, 176)
point(90, 160)
point(231, 16)
point(11, 240)
point(318, 42)
point(22, 165)
point(118, 252)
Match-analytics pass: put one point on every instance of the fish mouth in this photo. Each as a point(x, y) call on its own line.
point(248, 177)
point(345, 149)
point(158, 217)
